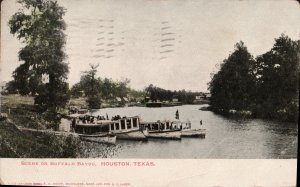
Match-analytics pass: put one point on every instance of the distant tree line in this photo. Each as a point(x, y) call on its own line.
point(97, 89)
point(159, 94)
point(267, 86)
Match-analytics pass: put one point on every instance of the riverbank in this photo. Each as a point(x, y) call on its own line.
point(21, 112)
point(281, 116)
point(17, 144)
point(38, 142)
point(81, 101)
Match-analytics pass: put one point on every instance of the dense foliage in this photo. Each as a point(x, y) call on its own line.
point(267, 86)
point(233, 86)
point(91, 87)
point(278, 80)
point(98, 90)
point(39, 25)
point(159, 94)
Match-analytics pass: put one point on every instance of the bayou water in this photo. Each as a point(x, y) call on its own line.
point(226, 138)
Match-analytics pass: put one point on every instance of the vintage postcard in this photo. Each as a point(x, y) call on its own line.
point(149, 92)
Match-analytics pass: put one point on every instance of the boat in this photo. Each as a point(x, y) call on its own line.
point(187, 130)
point(170, 104)
point(163, 104)
point(162, 130)
point(154, 104)
point(94, 132)
point(75, 111)
point(127, 128)
point(193, 133)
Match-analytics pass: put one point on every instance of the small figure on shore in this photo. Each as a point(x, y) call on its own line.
point(201, 122)
point(107, 117)
point(177, 114)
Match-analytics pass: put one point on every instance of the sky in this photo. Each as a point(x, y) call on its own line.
point(173, 44)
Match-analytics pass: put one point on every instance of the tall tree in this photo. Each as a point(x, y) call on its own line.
point(122, 88)
point(92, 87)
point(277, 73)
point(107, 88)
point(233, 86)
point(40, 25)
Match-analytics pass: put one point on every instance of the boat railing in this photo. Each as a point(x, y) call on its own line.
point(125, 124)
point(160, 126)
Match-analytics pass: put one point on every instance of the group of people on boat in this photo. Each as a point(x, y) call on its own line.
point(92, 119)
point(88, 119)
point(117, 117)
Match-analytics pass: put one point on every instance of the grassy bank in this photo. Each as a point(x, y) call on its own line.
point(16, 144)
point(13, 143)
point(21, 110)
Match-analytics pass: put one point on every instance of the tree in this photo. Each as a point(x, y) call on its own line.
point(21, 82)
point(77, 90)
point(267, 86)
point(233, 86)
point(11, 87)
point(156, 93)
point(92, 87)
point(107, 88)
point(40, 25)
point(122, 87)
point(277, 73)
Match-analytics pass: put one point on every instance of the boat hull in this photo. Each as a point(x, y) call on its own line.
point(193, 133)
point(154, 104)
point(109, 139)
point(173, 135)
point(131, 135)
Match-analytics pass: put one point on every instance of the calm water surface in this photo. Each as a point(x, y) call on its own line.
point(225, 138)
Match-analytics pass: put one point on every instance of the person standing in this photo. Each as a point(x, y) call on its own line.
point(177, 114)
